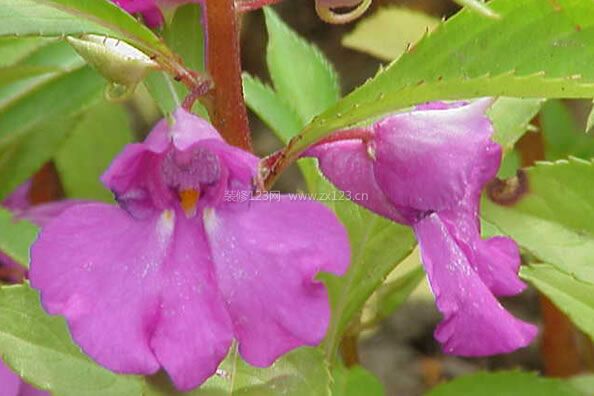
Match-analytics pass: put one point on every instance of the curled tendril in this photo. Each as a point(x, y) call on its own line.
point(325, 10)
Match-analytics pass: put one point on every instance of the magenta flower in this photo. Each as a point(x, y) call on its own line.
point(150, 9)
point(11, 384)
point(183, 266)
point(426, 169)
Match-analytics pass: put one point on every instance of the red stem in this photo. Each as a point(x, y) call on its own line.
point(229, 114)
point(250, 5)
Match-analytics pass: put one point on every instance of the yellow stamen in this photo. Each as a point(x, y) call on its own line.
point(188, 200)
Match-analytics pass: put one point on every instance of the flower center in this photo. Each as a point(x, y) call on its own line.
point(188, 200)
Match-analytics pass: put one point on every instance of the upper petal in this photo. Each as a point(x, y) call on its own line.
point(475, 323)
point(267, 255)
point(427, 159)
point(137, 294)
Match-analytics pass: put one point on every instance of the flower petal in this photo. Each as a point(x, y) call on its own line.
point(267, 255)
point(426, 159)
point(349, 166)
point(137, 295)
point(9, 381)
point(194, 331)
point(475, 323)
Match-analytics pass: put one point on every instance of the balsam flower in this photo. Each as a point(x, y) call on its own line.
point(182, 267)
point(426, 168)
point(150, 9)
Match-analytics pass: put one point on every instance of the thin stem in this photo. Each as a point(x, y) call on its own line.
point(228, 112)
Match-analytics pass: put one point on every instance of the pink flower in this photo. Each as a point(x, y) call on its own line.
point(426, 168)
point(182, 267)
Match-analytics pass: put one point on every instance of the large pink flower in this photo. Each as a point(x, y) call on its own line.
point(426, 168)
point(182, 267)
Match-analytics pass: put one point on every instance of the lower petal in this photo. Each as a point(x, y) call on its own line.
point(475, 323)
point(194, 331)
point(267, 255)
point(9, 381)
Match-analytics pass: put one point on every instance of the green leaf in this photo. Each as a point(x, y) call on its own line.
point(511, 117)
point(572, 296)
point(301, 74)
point(398, 27)
point(549, 211)
point(563, 137)
point(478, 6)
point(15, 49)
point(30, 137)
point(14, 73)
point(271, 108)
point(511, 383)
point(393, 294)
point(184, 35)
point(39, 348)
point(75, 17)
point(300, 372)
point(583, 383)
point(16, 237)
point(377, 246)
point(100, 135)
point(472, 56)
point(355, 381)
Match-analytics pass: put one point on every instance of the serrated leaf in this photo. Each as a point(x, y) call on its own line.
point(511, 117)
point(100, 135)
point(39, 348)
point(550, 212)
point(389, 32)
point(16, 237)
point(472, 56)
point(511, 383)
point(563, 137)
point(301, 74)
point(572, 296)
point(74, 17)
point(15, 49)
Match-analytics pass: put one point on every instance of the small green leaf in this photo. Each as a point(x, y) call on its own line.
point(16, 237)
point(511, 117)
point(398, 27)
point(99, 136)
point(572, 296)
point(511, 383)
point(39, 348)
point(563, 137)
point(301, 74)
point(393, 294)
point(549, 211)
point(355, 381)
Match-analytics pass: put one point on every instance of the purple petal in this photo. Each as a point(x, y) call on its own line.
point(19, 198)
point(426, 159)
point(349, 165)
point(137, 294)
point(267, 255)
point(10, 383)
point(475, 323)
